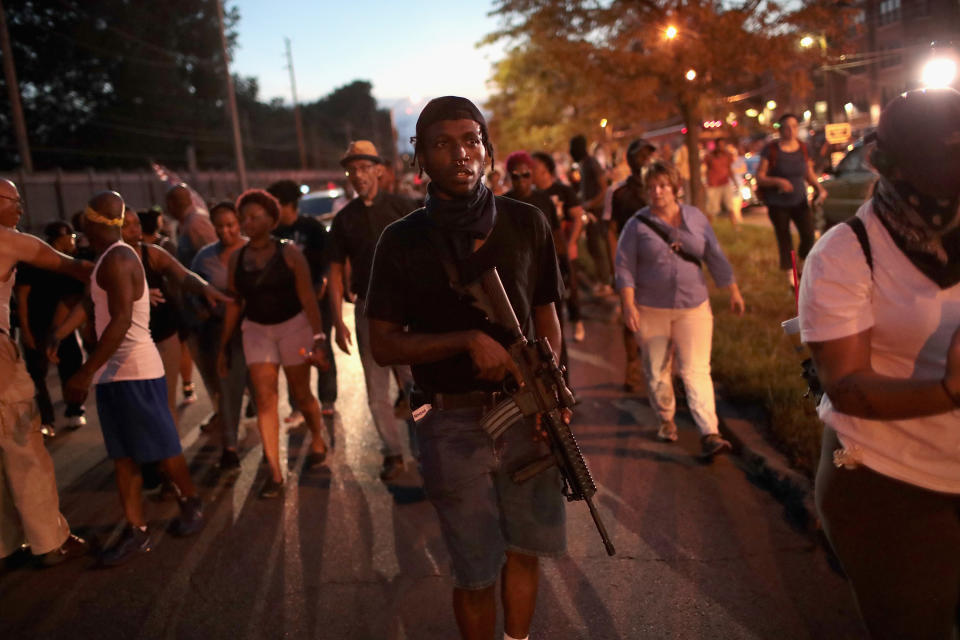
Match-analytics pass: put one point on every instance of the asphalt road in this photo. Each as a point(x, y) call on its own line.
point(701, 552)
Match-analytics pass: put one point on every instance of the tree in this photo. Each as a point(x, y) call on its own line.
point(577, 61)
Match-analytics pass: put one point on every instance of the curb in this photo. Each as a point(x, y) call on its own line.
point(767, 467)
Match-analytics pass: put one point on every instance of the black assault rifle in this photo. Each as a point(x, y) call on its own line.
point(542, 392)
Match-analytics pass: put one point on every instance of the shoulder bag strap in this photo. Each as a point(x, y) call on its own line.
point(860, 230)
point(674, 246)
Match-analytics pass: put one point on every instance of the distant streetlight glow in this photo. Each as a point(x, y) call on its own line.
point(771, 104)
point(807, 114)
point(848, 108)
point(670, 33)
point(752, 113)
point(938, 72)
point(806, 42)
point(603, 123)
point(691, 75)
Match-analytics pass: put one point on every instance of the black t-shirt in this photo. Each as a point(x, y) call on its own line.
point(410, 287)
point(357, 228)
point(312, 238)
point(627, 200)
point(541, 201)
point(592, 180)
point(47, 289)
point(567, 195)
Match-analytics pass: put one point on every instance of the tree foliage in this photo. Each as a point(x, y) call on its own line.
point(115, 83)
point(573, 62)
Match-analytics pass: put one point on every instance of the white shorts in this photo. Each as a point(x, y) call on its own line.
point(277, 343)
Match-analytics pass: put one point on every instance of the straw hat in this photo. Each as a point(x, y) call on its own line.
point(361, 150)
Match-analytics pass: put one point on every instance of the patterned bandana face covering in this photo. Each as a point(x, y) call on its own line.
point(93, 216)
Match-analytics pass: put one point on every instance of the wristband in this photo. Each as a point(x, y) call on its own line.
point(954, 396)
point(317, 337)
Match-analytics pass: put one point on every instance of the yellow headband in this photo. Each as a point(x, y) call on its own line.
point(93, 216)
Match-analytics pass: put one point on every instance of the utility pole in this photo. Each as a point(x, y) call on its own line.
point(301, 145)
point(13, 89)
point(232, 102)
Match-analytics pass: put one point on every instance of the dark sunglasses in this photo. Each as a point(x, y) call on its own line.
point(518, 176)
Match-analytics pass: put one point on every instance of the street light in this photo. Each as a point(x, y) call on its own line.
point(807, 41)
point(771, 104)
point(670, 33)
point(752, 113)
point(603, 123)
point(938, 72)
point(691, 75)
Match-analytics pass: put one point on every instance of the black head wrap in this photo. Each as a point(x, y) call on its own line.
point(451, 108)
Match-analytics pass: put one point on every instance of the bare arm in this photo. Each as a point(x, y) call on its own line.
point(577, 213)
point(17, 246)
point(547, 325)
point(231, 315)
point(811, 178)
point(855, 389)
point(23, 315)
point(335, 300)
point(171, 268)
point(116, 277)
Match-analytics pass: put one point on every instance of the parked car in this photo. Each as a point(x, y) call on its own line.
point(848, 186)
point(323, 204)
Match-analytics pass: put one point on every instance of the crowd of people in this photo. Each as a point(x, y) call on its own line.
point(246, 288)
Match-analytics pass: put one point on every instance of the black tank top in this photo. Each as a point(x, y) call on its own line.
point(164, 317)
point(270, 293)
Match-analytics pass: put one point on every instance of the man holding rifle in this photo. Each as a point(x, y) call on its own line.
point(492, 525)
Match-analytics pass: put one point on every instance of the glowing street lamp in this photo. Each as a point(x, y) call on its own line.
point(691, 75)
point(670, 33)
point(807, 41)
point(603, 123)
point(771, 104)
point(752, 113)
point(938, 72)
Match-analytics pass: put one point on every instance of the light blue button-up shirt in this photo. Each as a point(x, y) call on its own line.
point(661, 278)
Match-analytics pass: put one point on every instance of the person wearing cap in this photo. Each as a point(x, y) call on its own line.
point(493, 527)
point(722, 192)
point(29, 503)
point(40, 294)
point(354, 234)
point(880, 312)
point(784, 173)
point(626, 199)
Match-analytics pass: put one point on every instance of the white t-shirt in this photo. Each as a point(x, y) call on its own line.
point(912, 321)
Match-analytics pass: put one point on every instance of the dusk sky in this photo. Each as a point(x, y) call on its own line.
point(419, 49)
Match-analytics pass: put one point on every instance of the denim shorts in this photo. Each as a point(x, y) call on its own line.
point(482, 512)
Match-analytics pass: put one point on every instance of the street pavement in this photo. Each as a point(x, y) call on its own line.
point(701, 552)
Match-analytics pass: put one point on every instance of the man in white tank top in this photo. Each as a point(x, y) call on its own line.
point(128, 373)
point(29, 504)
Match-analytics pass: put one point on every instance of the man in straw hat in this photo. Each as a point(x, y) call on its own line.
point(355, 232)
point(493, 527)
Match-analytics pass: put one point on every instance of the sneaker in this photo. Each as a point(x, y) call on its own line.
point(579, 333)
point(271, 489)
point(48, 430)
point(314, 459)
point(191, 518)
point(712, 444)
point(189, 393)
point(392, 467)
point(73, 547)
point(229, 460)
point(75, 422)
point(668, 431)
point(132, 541)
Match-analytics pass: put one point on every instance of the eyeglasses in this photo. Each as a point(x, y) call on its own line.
point(520, 176)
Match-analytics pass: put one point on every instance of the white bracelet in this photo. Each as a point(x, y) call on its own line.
point(317, 337)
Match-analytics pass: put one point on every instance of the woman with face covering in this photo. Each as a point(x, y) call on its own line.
point(880, 311)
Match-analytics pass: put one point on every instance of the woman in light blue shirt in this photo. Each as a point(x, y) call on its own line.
point(664, 297)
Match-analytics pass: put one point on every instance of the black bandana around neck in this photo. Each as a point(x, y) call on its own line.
point(463, 219)
point(934, 251)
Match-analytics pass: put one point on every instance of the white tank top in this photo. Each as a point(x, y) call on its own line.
point(6, 289)
point(137, 357)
